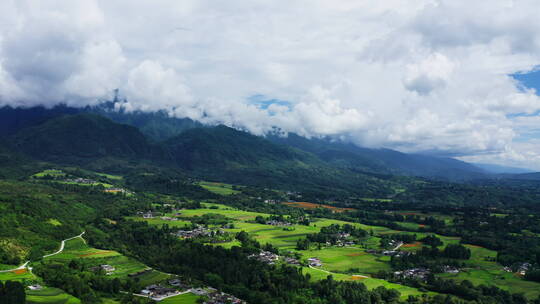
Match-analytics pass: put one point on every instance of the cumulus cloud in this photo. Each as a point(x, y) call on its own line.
point(426, 75)
point(429, 74)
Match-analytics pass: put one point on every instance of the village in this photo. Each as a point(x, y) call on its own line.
point(421, 273)
point(175, 287)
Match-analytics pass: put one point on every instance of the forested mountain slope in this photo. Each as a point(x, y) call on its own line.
point(383, 160)
point(82, 137)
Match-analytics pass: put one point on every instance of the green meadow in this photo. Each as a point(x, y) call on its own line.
point(159, 222)
point(78, 249)
point(18, 275)
point(343, 259)
point(110, 176)
point(105, 185)
point(482, 270)
point(5, 267)
point(343, 262)
point(218, 188)
point(371, 283)
point(337, 261)
point(50, 172)
point(187, 298)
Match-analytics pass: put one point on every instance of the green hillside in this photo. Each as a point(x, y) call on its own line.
point(225, 154)
point(80, 138)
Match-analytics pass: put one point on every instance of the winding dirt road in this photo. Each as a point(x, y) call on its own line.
point(62, 245)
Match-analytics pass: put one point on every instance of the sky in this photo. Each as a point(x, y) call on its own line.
point(451, 78)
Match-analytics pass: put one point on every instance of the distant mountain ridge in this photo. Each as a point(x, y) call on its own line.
point(498, 169)
point(157, 126)
point(156, 136)
point(384, 160)
point(217, 153)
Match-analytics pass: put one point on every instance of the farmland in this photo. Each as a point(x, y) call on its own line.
point(78, 249)
point(187, 298)
point(306, 205)
point(218, 188)
point(54, 173)
point(337, 261)
point(345, 262)
point(49, 295)
point(17, 275)
point(482, 270)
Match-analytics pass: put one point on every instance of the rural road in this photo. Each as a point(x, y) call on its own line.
point(62, 245)
point(398, 245)
point(158, 299)
point(23, 266)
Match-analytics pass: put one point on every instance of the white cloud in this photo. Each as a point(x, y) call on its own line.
point(426, 75)
point(429, 74)
point(152, 87)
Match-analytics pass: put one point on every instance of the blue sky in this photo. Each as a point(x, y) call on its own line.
point(530, 80)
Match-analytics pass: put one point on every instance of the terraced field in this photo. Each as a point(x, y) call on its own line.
point(49, 295)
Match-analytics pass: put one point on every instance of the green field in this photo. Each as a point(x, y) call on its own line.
point(380, 200)
point(218, 188)
point(54, 222)
point(187, 298)
point(482, 271)
point(18, 275)
point(105, 185)
point(370, 283)
point(50, 296)
point(337, 261)
point(342, 259)
point(110, 176)
point(342, 262)
point(159, 222)
point(5, 267)
point(77, 248)
point(50, 172)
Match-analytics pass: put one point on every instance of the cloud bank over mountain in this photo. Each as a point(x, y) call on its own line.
point(428, 76)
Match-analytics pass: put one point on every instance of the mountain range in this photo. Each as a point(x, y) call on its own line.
point(101, 136)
